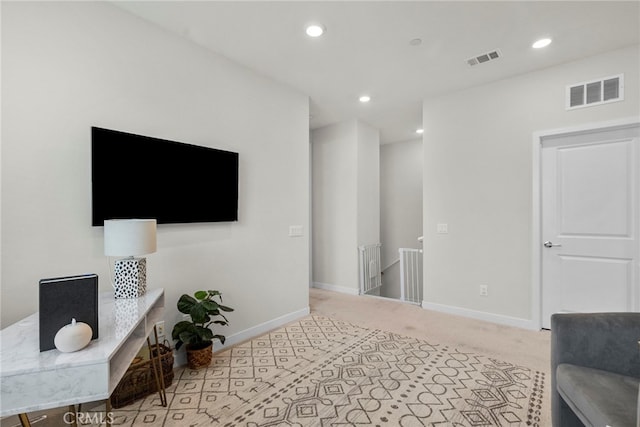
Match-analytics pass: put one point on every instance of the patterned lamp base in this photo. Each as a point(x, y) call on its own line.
point(130, 277)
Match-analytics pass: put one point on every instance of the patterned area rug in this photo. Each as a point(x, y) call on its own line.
point(324, 372)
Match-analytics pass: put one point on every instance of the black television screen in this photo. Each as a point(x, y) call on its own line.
point(136, 176)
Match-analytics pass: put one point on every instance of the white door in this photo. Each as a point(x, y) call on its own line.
point(590, 208)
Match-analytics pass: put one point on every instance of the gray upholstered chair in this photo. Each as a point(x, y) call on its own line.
point(595, 369)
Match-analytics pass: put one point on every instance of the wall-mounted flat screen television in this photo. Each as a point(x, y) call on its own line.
point(136, 176)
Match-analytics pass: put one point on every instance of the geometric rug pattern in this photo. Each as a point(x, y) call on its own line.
point(324, 372)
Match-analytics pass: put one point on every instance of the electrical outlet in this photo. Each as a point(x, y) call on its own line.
point(484, 290)
point(160, 328)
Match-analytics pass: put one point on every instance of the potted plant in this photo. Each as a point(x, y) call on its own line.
point(196, 334)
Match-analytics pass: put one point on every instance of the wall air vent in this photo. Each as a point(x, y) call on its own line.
point(595, 92)
point(485, 57)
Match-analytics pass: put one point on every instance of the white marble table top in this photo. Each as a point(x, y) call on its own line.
point(122, 323)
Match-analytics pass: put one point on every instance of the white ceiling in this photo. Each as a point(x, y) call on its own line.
point(366, 47)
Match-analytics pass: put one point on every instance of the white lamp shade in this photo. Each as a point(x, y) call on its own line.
point(129, 237)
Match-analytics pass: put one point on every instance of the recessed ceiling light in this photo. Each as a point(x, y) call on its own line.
point(541, 43)
point(365, 98)
point(420, 130)
point(315, 30)
point(415, 42)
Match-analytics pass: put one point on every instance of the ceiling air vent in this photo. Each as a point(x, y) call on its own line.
point(596, 92)
point(485, 57)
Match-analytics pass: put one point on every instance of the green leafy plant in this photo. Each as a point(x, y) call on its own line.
point(205, 311)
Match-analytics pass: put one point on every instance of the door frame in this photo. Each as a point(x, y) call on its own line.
point(536, 223)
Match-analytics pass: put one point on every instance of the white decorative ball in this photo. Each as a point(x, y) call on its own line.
point(73, 337)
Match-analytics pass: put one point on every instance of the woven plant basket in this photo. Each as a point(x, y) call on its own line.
point(199, 358)
point(139, 381)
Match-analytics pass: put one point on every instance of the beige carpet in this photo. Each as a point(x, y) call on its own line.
point(521, 346)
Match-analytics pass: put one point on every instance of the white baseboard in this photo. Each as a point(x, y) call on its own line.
point(336, 288)
point(247, 334)
point(481, 315)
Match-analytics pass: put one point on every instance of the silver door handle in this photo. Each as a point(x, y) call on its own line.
point(549, 244)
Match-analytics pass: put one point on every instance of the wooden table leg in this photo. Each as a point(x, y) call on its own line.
point(24, 420)
point(107, 413)
point(163, 394)
point(157, 369)
point(74, 413)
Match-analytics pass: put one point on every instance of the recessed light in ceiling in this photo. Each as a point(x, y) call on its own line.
point(315, 30)
point(541, 43)
point(415, 42)
point(365, 98)
point(419, 131)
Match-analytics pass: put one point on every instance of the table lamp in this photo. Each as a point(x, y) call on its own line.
point(129, 238)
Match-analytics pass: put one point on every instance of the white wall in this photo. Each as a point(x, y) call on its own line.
point(368, 184)
point(67, 66)
point(401, 167)
point(478, 179)
point(346, 201)
point(334, 200)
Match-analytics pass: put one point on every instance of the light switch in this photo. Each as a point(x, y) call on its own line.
point(295, 231)
point(443, 228)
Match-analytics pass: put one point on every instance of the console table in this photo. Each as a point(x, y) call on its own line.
point(32, 381)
